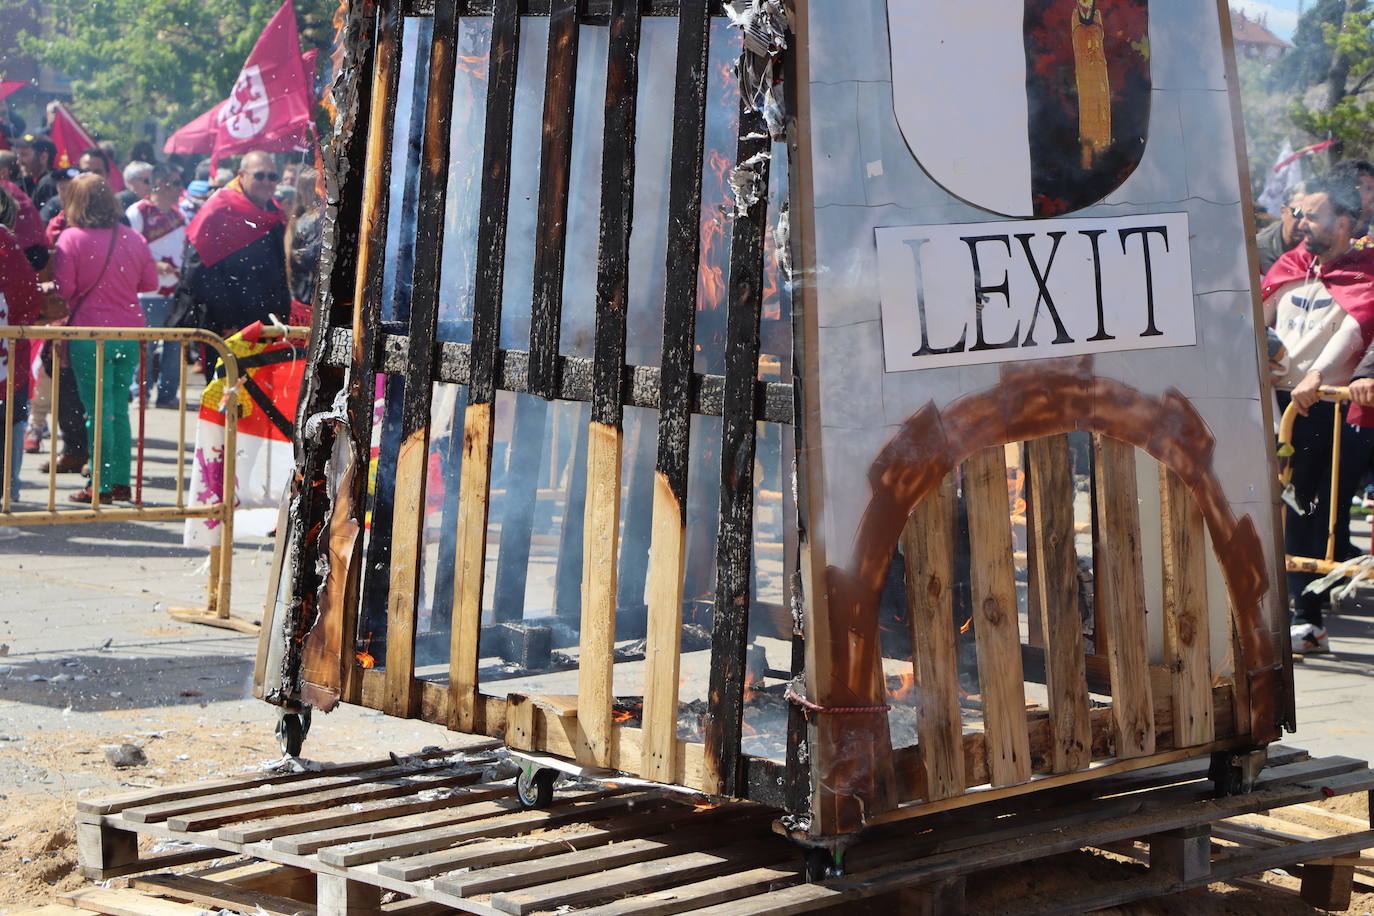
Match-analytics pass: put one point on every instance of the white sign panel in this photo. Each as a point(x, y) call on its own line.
point(970, 293)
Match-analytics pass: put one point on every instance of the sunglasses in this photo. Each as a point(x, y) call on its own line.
point(266, 176)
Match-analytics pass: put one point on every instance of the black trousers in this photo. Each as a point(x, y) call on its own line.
point(71, 416)
point(1305, 535)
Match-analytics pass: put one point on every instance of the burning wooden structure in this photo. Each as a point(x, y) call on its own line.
point(576, 468)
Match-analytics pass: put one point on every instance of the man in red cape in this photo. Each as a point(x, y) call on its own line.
point(234, 269)
point(1319, 298)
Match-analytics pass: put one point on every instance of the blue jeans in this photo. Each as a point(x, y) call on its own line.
point(163, 364)
point(15, 440)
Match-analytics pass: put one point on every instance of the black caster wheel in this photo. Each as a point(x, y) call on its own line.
point(823, 863)
point(1227, 778)
point(534, 787)
point(292, 727)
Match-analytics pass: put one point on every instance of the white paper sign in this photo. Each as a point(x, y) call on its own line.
point(964, 294)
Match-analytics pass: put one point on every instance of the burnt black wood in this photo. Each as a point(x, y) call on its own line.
point(684, 249)
point(491, 224)
point(521, 483)
point(555, 163)
point(772, 400)
point(593, 9)
point(376, 570)
point(365, 38)
point(617, 214)
point(734, 543)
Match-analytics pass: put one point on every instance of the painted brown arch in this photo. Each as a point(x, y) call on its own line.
point(1031, 401)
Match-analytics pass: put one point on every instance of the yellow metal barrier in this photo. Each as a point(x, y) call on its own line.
point(219, 588)
point(1327, 564)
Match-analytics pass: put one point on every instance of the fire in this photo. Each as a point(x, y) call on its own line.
point(905, 691)
point(365, 660)
point(968, 625)
point(621, 716)
point(336, 55)
point(474, 64)
point(706, 805)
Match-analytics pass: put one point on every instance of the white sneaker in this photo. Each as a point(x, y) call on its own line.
point(1308, 639)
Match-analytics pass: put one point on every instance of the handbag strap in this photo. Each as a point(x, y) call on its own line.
point(81, 300)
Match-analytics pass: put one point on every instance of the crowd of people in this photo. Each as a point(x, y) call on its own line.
point(1317, 262)
point(213, 248)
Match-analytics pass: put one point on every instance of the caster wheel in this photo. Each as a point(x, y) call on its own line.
point(292, 727)
point(822, 864)
point(534, 787)
point(1227, 778)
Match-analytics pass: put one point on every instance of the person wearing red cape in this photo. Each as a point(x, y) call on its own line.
point(1319, 299)
point(234, 268)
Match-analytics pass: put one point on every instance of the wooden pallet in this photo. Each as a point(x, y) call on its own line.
point(339, 840)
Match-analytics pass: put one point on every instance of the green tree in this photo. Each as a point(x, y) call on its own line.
point(1341, 110)
point(139, 63)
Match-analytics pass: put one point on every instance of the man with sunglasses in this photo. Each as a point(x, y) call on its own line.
point(234, 266)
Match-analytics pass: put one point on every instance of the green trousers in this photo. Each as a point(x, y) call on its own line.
point(116, 437)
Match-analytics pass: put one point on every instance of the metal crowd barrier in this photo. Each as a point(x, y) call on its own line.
point(217, 609)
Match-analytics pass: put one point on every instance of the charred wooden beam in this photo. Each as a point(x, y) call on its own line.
point(345, 175)
point(605, 435)
point(734, 547)
point(475, 481)
point(551, 222)
point(668, 546)
point(641, 388)
point(592, 10)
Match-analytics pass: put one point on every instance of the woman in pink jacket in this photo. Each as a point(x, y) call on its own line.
point(100, 267)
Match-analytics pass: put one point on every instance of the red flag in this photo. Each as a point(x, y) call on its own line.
point(71, 140)
point(270, 101)
point(10, 87)
point(197, 136)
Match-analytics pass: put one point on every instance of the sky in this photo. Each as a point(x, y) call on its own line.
point(1282, 15)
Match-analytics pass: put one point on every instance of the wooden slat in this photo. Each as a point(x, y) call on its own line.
point(1055, 574)
point(734, 542)
point(497, 852)
point(555, 164)
point(313, 801)
point(412, 461)
point(993, 586)
point(564, 808)
point(687, 897)
point(928, 551)
point(473, 496)
point(601, 538)
point(637, 878)
point(1187, 641)
point(545, 869)
point(668, 549)
point(161, 808)
point(392, 822)
point(1120, 591)
point(221, 895)
point(284, 827)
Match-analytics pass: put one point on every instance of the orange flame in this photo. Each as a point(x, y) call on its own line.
point(906, 690)
point(621, 716)
point(365, 660)
point(336, 56)
point(473, 64)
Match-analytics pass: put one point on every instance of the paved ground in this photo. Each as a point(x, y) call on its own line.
point(91, 657)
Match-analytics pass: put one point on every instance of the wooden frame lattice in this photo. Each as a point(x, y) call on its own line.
point(840, 764)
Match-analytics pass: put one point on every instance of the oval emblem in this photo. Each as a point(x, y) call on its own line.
point(1023, 107)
